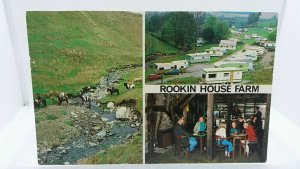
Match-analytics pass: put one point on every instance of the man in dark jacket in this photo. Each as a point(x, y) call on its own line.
point(185, 140)
point(236, 112)
point(258, 113)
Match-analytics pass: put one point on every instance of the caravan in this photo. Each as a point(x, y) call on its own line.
point(222, 75)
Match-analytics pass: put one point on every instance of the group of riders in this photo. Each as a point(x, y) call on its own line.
point(39, 101)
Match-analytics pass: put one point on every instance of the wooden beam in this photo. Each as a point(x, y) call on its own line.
point(210, 118)
point(151, 130)
point(176, 102)
point(187, 99)
point(168, 102)
point(266, 130)
point(229, 112)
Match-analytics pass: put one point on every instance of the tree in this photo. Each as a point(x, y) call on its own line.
point(179, 29)
point(215, 30)
point(253, 17)
point(221, 31)
point(208, 34)
point(155, 23)
point(272, 36)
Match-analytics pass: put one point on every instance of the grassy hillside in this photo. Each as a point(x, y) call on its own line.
point(70, 50)
point(125, 153)
point(154, 45)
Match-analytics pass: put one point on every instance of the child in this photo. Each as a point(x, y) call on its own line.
point(200, 126)
point(251, 137)
point(221, 132)
point(234, 129)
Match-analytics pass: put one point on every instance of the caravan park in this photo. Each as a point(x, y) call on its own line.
point(210, 48)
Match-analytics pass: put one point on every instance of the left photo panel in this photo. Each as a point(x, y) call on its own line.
point(87, 71)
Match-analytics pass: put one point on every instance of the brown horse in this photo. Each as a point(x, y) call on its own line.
point(113, 90)
point(61, 99)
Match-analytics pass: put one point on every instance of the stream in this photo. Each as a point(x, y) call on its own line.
point(85, 144)
point(81, 147)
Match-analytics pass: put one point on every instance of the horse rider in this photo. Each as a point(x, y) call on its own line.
point(62, 95)
point(38, 99)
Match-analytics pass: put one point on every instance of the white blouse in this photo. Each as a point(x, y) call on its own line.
point(221, 132)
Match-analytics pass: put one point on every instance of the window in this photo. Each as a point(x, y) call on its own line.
point(203, 76)
point(226, 74)
point(161, 68)
point(212, 75)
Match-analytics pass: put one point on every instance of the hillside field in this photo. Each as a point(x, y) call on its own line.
point(70, 50)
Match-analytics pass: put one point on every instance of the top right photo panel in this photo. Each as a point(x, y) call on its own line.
point(210, 47)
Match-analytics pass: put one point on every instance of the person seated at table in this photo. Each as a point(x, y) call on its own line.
point(200, 126)
point(186, 140)
point(251, 137)
point(221, 132)
point(234, 129)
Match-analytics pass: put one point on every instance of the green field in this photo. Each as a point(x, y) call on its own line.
point(120, 154)
point(70, 50)
point(258, 29)
point(259, 77)
point(184, 80)
point(154, 45)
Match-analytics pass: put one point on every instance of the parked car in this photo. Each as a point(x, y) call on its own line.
point(173, 72)
point(154, 77)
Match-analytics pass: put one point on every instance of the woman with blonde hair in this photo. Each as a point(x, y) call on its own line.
point(222, 139)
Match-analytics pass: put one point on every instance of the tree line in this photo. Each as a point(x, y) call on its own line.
point(181, 29)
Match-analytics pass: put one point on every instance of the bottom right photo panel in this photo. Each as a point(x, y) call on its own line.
point(206, 128)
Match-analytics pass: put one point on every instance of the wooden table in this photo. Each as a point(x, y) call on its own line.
point(200, 138)
point(234, 138)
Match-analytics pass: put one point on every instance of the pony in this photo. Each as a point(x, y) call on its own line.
point(39, 102)
point(137, 80)
point(129, 85)
point(61, 99)
point(113, 90)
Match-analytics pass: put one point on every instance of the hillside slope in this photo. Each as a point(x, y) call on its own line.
point(70, 50)
point(154, 45)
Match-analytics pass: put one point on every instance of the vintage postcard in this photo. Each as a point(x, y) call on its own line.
point(210, 47)
point(87, 85)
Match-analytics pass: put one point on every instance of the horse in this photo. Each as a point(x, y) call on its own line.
point(129, 86)
point(39, 102)
point(137, 80)
point(61, 99)
point(113, 90)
